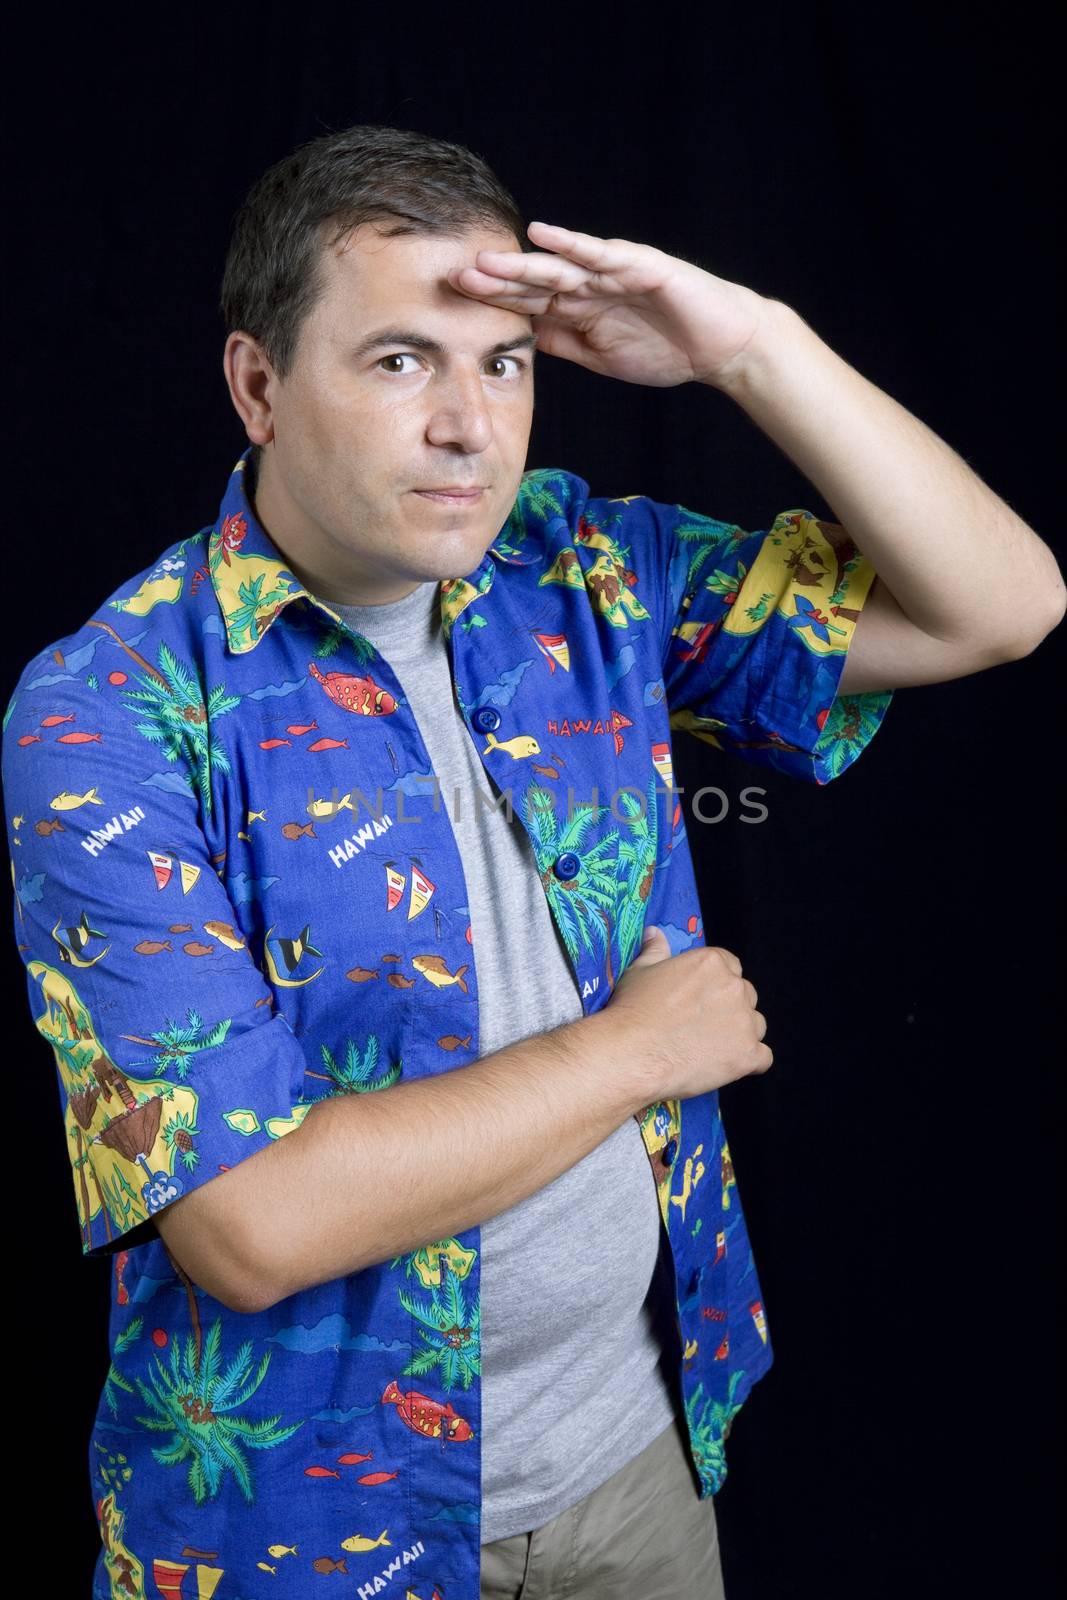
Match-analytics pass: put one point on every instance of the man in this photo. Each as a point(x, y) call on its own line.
point(337, 1081)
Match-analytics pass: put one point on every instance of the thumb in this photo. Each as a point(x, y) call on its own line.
point(654, 942)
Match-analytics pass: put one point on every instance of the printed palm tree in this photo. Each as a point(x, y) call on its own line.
point(637, 867)
point(114, 1379)
point(710, 538)
point(196, 1403)
point(338, 633)
point(583, 906)
point(176, 1046)
point(451, 1332)
point(538, 496)
point(710, 1432)
point(245, 619)
point(358, 1069)
point(180, 722)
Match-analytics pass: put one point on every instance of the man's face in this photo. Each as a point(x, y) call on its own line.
point(354, 433)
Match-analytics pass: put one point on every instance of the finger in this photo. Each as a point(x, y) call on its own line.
point(559, 338)
point(599, 255)
point(728, 956)
point(537, 269)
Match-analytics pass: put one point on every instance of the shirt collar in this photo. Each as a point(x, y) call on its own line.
point(253, 584)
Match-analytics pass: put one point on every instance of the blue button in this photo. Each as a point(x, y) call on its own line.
point(669, 1151)
point(568, 865)
point(486, 719)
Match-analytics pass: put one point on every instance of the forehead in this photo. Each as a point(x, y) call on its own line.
point(367, 271)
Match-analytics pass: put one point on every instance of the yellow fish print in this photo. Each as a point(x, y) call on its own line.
point(522, 745)
point(329, 808)
point(357, 1541)
point(65, 801)
point(434, 970)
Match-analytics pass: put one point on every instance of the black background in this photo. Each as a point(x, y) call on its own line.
point(889, 173)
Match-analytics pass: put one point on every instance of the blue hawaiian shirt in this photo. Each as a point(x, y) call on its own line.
point(221, 922)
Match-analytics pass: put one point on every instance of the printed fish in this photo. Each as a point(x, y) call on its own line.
point(78, 937)
point(327, 744)
point(295, 830)
point(359, 1541)
point(293, 949)
point(80, 738)
point(47, 826)
point(354, 693)
point(523, 744)
point(361, 974)
point(66, 801)
point(330, 808)
point(426, 1416)
point(328, 1564)
point(452, 1041)
point(435, 971)
point(281, 1550)
point(301, 727)
point(54, 721)
point(224, 933)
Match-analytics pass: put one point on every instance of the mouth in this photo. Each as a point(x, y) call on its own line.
point(451, 497)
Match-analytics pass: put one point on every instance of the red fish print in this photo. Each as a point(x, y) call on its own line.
point(52, 722)
point(301, 727)
point(78, 738)
point(354, 693)
point(320, 1472)
point(354, 1457)
point(426, 1416)
point(30, 738)
point(272, 744)
point(377, 1477)
point(327, 744)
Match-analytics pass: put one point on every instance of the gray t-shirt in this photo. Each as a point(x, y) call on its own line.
point(579, 1358)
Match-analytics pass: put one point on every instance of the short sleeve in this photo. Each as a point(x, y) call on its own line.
point(172, 1064)
point(756, 629)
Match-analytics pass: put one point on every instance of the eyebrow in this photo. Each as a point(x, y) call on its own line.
point(419, 341)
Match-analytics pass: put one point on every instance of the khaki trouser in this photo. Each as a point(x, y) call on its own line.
point(644, 1533)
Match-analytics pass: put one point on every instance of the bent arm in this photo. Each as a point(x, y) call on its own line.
point(370, 1176)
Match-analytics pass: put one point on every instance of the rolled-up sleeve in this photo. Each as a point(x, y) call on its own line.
point(172, 1064)
point(756, 630)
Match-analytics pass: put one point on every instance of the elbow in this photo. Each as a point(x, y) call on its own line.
point(1024, 641)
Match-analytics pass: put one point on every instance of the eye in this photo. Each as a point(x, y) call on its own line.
point(519, 363)
point(403, 355)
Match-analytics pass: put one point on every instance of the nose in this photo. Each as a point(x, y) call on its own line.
point(461, 415)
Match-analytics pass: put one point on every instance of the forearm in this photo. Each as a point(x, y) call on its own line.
point(957, 559)
point(370, 1176)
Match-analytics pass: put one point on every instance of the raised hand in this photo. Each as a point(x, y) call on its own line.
point(622, 309)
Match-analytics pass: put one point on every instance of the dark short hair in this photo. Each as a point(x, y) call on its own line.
point(403, 181)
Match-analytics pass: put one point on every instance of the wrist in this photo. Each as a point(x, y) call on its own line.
point(610, 1044)
point(754, 366)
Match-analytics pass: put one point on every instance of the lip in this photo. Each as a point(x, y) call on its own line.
point(454, 497)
